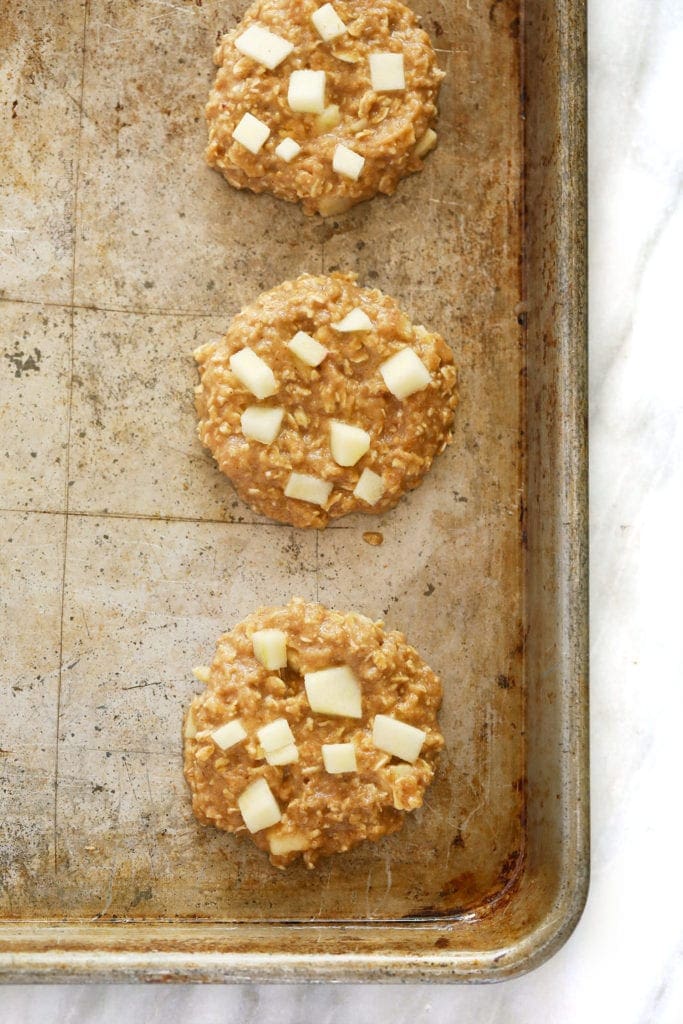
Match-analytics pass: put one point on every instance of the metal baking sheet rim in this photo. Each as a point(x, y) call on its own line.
point(519, 935)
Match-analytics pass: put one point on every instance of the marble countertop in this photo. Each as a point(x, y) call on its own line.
point(625, 960)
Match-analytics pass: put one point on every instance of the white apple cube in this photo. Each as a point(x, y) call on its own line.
point(270, 648)
point(258, 806)
point(356, 320)
point(288, 843)
point(304, 487)
point(307, 349)
point(329, 119)
point(348, 444)
point(306, 93)
point(190, 730)
point(397, 738)
point(334, 691)
point(284, 755)
point(275, 735)
point(251, 133)
point(228, 735)
point(386, 72)
point(347, 162)
point(405, 373)
point(263, 46)
point(251, 371)
point(287, 150)
point(261, 423)
point(426, 144)
point(370, 487)
point(327, 23)
point(339, 758)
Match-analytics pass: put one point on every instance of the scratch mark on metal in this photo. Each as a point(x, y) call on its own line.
point(76, 178)
point(368, 883)
point(171, 7)
point(85, 623)
point(317, 566)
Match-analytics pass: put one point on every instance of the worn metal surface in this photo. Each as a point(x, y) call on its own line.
point(126, 552)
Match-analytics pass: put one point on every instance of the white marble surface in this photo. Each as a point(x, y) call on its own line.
point(625, 961)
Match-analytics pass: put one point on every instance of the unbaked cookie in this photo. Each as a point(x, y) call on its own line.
point(317, 730)
point(326, 105)
point(323, 399)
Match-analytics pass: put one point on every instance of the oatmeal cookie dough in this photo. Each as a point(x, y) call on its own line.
point(323, 104)
point(323, 399)
point(317, 730)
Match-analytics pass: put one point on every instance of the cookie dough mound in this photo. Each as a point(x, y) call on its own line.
point(326, 105)
point(323, 399)
point(330, 749)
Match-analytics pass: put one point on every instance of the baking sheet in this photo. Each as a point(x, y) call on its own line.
point(126, 553)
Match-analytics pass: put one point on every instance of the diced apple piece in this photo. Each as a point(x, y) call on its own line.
point(190, 730)
point(308, 488)
point(258, 806)
point(263, 46)
point(339, 758)
point(284, 755)
point(330, 118)
point(405, 373)
point(347, 163)
point(334, 691)
point(251, 133)
point(386, 72)
point(202, 673)
point(397, 738)
point(288, 843)
point(307, 349)
point(348, 444)
point(251, 371)
point(356, 320)
point(287, 150)
point(327, 23)
point(426, 144)
point(306, 93)
point(331, 206)
point(275, 735)
point(262, 422)
point(270, 648)
point(370, 487)
point(226, 736)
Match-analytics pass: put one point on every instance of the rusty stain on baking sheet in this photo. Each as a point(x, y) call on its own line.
point(133, 552)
